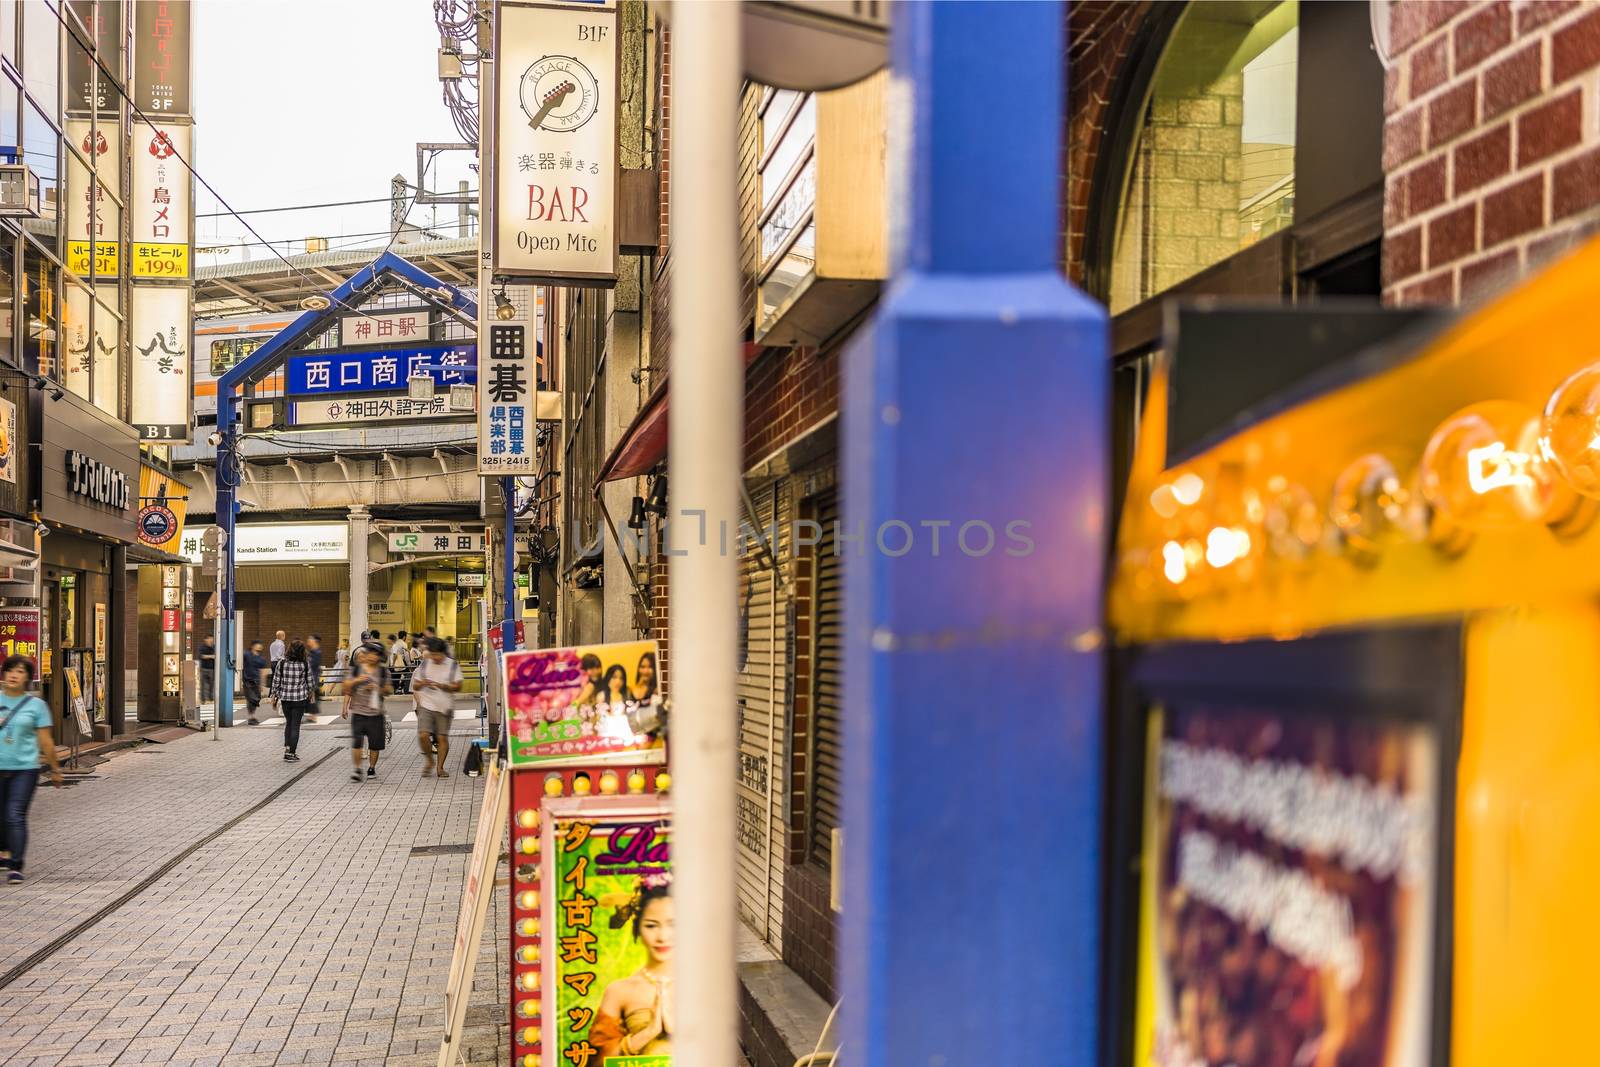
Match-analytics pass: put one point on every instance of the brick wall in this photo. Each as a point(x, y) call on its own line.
point(1100, 35)
point(1491, 146)
point(787, 391)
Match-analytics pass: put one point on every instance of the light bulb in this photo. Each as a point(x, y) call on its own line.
point(636, 781)
point(1369, 506)
point(527, 927)
point(528, 818)
point(528, 1009)
point(581, 786)
point(528, 845)
point(608, 782)
point(528, 954)
point(1482, 467)
point(1291, 521)
point(1570, 430)
point(529, 1035)
point(528, 900)
point(663, 781)
point(553, 786)
point(528, 981)
point(530, 1060)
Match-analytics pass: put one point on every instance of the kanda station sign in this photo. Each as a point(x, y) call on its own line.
point(555, 122)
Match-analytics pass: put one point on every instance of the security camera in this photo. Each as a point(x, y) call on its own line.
point(215, 438)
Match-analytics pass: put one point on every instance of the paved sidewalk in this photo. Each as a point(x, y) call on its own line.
point(306, 933)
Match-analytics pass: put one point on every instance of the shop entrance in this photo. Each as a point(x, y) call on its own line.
point(66, 656)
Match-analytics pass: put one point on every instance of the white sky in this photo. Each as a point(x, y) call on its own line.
point(310, 101)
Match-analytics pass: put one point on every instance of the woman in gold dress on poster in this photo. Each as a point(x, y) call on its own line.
point(636, 1013)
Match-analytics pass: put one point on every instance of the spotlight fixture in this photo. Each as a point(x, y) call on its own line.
point(503, 308)
point(636, 519)
point(658, 497)
point(315, 302)
point(56, 392)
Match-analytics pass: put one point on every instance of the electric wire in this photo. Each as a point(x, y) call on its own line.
point(306, 207)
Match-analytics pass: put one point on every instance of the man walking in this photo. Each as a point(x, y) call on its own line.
point(208, 667)
point(366, 687)
point(254, 664)
point(278, 649)
point(314, 661)
point(433, 681)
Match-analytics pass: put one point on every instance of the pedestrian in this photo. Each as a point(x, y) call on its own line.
point(341, 658)
point(399, 660)
point(314, 661)
point(291, 687)
point(208, 667)
point(255, 664)
point(433, 681)
point(278, 649)
point(24, 737)
point(366, 687)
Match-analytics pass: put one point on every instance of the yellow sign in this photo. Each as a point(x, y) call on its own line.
point(163, 502)
point(160, 260)
point(107, 258)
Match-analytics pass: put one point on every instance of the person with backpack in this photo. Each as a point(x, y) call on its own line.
point(366, 687)
point(399, 661)
point(24, 737)
point(291, 687)
point(433, 681)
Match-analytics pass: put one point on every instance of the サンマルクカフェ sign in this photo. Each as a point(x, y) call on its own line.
point(555, 156)
point(98, 481)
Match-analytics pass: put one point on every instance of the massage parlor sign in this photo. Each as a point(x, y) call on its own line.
point(607, 881)
point(1287, 913)
point(593, 705)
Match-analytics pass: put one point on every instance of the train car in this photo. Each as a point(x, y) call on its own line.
point(218, 345)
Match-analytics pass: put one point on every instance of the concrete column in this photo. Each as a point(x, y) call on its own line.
point(360, 529)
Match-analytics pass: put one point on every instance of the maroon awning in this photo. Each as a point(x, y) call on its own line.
point(645, 442)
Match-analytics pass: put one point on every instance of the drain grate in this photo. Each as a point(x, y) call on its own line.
point(442, 850)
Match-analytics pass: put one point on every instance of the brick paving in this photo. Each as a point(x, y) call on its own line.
point(307, 933)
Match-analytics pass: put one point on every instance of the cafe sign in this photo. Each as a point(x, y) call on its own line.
point(100, 482)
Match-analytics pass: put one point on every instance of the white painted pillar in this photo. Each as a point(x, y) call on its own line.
point(360, 529)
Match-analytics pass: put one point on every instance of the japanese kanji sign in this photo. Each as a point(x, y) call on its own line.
point(91, 345)
point(161, 68)
point(373, 370)
point(330, 413)
point(93, 220)
point(161, 327)
point(506, 415)
point(609, 997)
point(555, 120)
point(443, 541)
point(595, 704)
point(384, 327)
point(161, 200)
point(88, 88)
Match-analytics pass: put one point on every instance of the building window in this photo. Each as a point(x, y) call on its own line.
point(41, 54)
point(1212, 166)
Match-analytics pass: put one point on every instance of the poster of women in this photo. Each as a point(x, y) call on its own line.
point(611, 1003)
point(590, 704)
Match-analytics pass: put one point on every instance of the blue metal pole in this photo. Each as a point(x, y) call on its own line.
point(975, 461)
point(508, 626)
point(226, 508)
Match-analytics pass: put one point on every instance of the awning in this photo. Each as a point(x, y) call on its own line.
point(645, 442)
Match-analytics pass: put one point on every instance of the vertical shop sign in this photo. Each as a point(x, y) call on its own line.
point(93, 220)
point(160, 332)
point(507, 379)
point(555, 132)
point(161, 201)
point(161, 47)
point(609, 885)
point(89, 91)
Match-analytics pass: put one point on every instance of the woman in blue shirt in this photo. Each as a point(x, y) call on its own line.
point(24, 737)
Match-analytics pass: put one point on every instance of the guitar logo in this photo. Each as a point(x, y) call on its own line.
point(558, 94)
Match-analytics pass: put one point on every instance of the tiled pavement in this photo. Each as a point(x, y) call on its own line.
point(306, 933)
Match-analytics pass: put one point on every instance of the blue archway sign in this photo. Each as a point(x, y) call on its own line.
point(356, 290)
point(973, 696)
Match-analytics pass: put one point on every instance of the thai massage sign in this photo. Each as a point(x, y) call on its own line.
point(610, 999)
point(595, 704)
point(555, 166)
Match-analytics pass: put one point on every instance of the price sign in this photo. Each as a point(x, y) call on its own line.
point(19, 633)
point(152, 260)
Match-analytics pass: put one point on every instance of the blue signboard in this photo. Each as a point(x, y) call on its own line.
point(373, 370)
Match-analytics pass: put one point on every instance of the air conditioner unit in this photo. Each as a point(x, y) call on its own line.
point(19, 191)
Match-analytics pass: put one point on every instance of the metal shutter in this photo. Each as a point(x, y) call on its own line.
point(762, 686)
point(827, 700)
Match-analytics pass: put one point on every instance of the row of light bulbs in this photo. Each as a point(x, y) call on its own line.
point(526, 1025)
point(582, 785)
point(1491, 465)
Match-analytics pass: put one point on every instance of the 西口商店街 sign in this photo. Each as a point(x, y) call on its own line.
point(365, 370)
point(555, 136)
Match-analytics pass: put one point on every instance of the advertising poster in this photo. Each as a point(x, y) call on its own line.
point(80, 710)
point(593, 704)
point(8, 441)
point(609, 1001)
point(19, 633)
point(161, 329)
point(1287, 907)
point(161, 200)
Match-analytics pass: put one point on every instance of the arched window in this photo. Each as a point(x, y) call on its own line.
point(1212, 166)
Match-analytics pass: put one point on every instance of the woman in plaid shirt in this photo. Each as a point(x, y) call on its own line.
point(291, 686)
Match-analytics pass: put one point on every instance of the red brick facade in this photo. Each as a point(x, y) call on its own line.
point(1491, 165)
